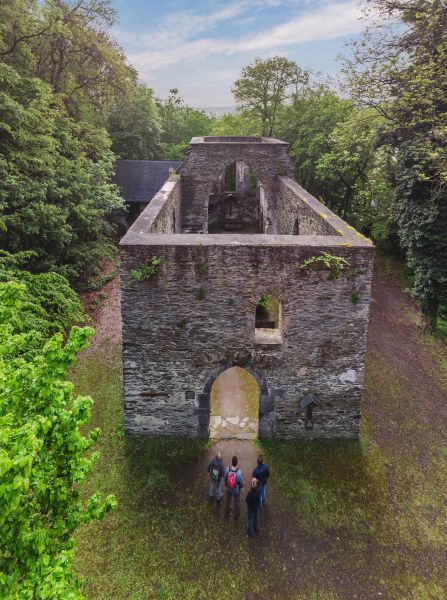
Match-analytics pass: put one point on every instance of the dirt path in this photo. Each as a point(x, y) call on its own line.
point(232, 413)
point(400, 353)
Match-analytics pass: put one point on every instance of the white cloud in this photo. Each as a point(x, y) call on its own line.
point(331, 21)
point(185, 50)
point(327, 23)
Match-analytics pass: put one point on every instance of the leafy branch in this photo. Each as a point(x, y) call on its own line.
point(147, 271)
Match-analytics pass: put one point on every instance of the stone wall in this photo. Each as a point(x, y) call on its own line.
point(208, 159)
point(296, 206)
point(196, 317)
point(163, 214)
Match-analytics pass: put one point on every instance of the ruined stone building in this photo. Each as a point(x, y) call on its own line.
point(233, 263)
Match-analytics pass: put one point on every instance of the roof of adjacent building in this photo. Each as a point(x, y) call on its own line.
point(140, 180)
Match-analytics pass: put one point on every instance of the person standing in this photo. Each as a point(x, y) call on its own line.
point(261, 473)
point(252, 501)
point(216, 471)
point(234, 483)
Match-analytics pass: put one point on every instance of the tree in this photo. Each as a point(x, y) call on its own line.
point(135, 125)
point(400, 71)
point(307, 124)
point(42, 458)
point(56, 198)
point(235, 124)
point(47, 304)
point(69, 46)
point(180, 123)
point(359, 173)
point(264, 86)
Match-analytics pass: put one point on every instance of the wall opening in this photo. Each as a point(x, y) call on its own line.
point(234, 405)
point(234, 204)
point(296, 227)
point(268, 320)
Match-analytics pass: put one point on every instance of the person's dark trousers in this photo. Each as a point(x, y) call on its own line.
point(253, 520)
point(262, 491)
point(236, 502)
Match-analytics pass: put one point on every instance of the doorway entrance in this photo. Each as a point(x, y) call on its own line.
point(234, 405)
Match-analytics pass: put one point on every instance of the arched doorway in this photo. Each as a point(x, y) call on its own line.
point(234, 405)
point(236, 201)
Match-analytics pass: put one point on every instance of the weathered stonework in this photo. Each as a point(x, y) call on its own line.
point(196, 316)
point(208, 159)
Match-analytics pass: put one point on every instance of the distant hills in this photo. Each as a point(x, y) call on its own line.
point(218, 110)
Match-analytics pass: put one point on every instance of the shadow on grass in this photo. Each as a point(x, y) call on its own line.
point(153, 464)
point(332, 485)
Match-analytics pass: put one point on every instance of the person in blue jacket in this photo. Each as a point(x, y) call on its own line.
point(261, 473)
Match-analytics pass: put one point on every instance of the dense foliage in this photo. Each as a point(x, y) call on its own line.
point(265, 85)
point(179, 124)
point(135, 125)
point(47, 302)
point(42, 456)
point(55, 190)
point(400, 71)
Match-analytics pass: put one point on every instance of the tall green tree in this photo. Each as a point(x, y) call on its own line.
point(42, 458)
point(360, 174)
point(307, 124)
point(180, 123)
point(135, 125)
point(67, 44)
point(265, 85)
point(235, 124)
point(56, 198)
point(400, 71)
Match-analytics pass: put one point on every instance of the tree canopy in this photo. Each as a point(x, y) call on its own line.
point(265, 85)
point(400, 71)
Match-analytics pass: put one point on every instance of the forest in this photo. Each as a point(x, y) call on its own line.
point(371, 146)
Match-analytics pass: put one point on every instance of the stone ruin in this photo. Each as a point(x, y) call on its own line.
point(229, 232)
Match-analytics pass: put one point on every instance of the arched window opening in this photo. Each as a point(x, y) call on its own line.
point(296, 227)
point(234, 204)
point(268, 320)
point(234, 405)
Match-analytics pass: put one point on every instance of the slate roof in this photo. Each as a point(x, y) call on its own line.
point(140, 180)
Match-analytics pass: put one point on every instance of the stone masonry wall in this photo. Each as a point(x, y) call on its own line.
point(292, 203)
point(163, 214)
point(207, 160)
point(196, 317)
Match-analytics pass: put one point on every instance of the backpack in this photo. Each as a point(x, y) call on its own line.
point(215, 473)
point(231, 479)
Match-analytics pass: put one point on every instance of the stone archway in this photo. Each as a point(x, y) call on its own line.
point(266, 401)
point(209, 157)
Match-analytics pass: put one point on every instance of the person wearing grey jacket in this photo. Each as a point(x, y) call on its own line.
point(234, 483)
point(216, 470)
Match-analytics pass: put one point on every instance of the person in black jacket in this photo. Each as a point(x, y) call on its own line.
point(252, 501)
point(262, 473)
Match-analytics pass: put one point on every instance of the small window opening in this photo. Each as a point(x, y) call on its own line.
point(307, 405)
point(268, 320)
point(308, 418)
point(296, 227)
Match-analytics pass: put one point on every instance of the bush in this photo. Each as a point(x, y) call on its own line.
point(47, 302)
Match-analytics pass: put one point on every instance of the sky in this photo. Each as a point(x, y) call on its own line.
point(200, 47)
